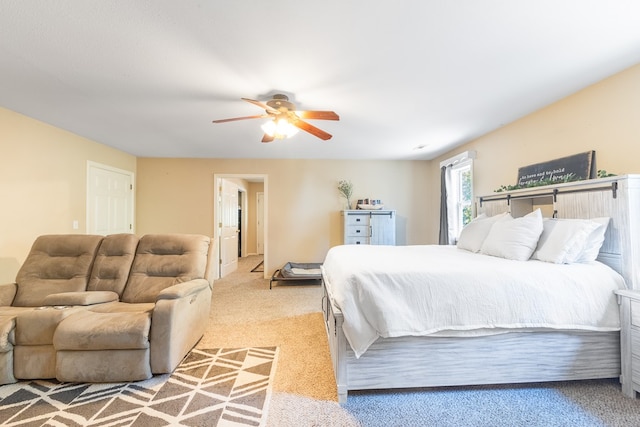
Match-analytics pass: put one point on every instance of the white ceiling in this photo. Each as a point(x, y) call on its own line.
point(148, 76)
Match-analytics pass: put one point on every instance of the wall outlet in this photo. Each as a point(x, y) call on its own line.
point(75, 224)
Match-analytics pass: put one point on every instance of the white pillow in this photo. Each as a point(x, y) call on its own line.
point(594, 241)
point(514, 238)
point(474, 233)
point(563, 240)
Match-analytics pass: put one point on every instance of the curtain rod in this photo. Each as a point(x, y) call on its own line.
point(471, 154)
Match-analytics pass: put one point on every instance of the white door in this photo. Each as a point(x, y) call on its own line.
point(260, 224)
point(228, 227)
point(109, 200)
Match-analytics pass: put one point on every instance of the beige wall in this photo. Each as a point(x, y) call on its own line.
point(602, 117)
point(43, 183)
point(302, 201)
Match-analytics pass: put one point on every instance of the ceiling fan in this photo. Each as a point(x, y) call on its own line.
point(285, 119)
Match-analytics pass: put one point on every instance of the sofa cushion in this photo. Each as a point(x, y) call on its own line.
point(37, 326)
point(123, 307)
point(56, 263)
point(163, 260)
point(87, 330)
point(80, 298)
point(112, 264)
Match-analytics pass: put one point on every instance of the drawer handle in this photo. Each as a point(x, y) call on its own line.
point(357, 231)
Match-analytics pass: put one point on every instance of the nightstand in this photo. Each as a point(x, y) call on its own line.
point(630, 341)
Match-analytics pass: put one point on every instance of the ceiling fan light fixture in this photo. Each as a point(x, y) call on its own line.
point(286, 121)
point(279, 128)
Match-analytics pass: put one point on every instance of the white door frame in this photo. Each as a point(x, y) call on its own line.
point(243, 200)
point(216, 215)
point(91, 165)
point(260, 222)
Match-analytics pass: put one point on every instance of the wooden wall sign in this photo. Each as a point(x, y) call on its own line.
point(571, 168)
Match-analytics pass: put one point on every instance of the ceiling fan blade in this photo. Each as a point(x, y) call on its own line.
point(318, 115)
point(261, 105)
point(312, 129)
point(241, 118)
point(267, 138)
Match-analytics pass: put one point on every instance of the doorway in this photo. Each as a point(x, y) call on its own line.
point(235, 219)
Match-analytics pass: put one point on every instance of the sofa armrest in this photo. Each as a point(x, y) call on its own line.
point(178, 323)
point(81, 298)
point(7, 293)
point(183, 289)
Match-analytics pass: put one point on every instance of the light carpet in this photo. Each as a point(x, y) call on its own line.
point(589, 403)
point(225, 387)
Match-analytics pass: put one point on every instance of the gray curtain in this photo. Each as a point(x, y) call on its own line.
point(444, 215)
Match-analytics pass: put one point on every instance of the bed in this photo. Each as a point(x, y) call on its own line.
point(538, 342)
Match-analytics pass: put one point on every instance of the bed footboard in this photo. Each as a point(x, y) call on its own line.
point(516, 357)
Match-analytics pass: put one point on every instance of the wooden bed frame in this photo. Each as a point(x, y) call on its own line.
point(515, 357)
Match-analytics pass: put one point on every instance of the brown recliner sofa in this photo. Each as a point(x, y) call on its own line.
point(105, 309)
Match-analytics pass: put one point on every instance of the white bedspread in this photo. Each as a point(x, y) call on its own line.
point(390, 291)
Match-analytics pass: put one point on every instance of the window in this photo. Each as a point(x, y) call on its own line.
point(459, 195)
point(461, 200)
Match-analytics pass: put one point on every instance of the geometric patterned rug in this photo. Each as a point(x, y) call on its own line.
point(215, 387)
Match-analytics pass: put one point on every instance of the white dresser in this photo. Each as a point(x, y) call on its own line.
point(369, 227)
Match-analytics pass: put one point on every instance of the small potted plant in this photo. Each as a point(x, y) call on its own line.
point(345, 187)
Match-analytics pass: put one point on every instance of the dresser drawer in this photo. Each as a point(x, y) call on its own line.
point(356, 240)
point(358, 231)
point(356, 219)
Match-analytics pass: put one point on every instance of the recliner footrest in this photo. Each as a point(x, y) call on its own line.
point(107, 366)
point(103, 347)
point(89, 330)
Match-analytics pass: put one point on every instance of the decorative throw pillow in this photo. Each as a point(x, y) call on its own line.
point(594, 241)
point(473, 234)
point(514, 238)
point(563, 240)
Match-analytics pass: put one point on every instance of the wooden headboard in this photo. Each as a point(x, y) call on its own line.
point(615, 197)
